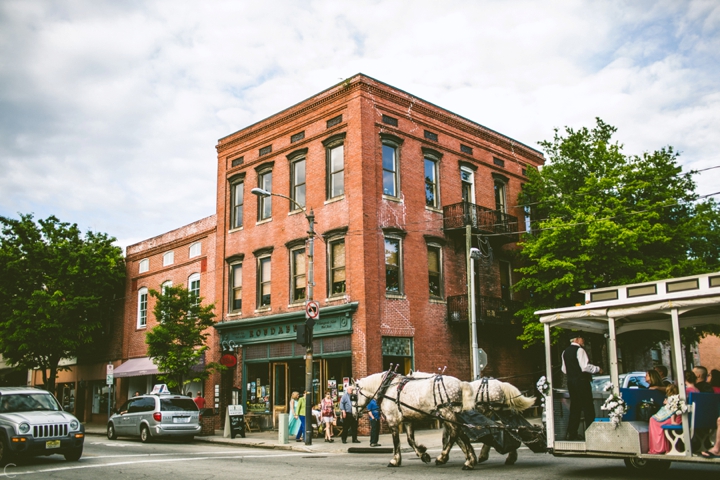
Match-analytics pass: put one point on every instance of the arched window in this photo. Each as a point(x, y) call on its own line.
point(195, 249)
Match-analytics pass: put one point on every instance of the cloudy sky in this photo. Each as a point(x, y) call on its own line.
point(110, 111)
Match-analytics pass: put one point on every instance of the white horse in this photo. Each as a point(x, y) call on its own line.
point(485, 394)
point(408, 399)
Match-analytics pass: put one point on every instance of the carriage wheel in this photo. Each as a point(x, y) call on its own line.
point(644, 464)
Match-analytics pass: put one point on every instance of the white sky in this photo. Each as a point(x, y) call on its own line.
point(110, 110)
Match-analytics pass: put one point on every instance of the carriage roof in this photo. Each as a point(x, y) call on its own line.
point(643, 306)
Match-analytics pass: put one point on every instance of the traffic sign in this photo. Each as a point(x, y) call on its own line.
point(312, 309)
point(109, 379)
point(109, 369)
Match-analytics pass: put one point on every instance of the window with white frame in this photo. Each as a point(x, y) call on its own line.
point(163, 288)
point(143, 265)
point(142, 307)
point(434, 253)
point(195, 249)
point(297, 190)
point(500, 204)
point(432, 199)
point(337, 267)
point(236, 287)
point(390, 170)
point(265, 203)
point(393, 266)
point(237, 201)
point(263, 281)
point(298, 277)
point(194, 286)
point(168, 258)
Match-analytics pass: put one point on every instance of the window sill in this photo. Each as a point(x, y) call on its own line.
point(433, 209)
point(438, 301)
point(233, 314)
point(140, 327)
point(335, 199)
point(337, 298)
point(296, 304)
point(392, 199)
point(295, 212)
point(263, 309)
point(395, 296)
point(233, 230)
point(260, 222)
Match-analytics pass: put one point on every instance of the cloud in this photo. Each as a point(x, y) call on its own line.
point(110, 111)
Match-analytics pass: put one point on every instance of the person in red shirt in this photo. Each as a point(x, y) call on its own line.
point(199, 401)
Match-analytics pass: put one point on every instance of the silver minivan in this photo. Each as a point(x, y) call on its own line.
point(153, 416)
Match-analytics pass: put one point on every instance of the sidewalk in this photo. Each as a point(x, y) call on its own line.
point(431, 438)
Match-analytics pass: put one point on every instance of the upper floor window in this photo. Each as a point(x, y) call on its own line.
point(393, 266)
point(142, 307)
point(195, 249)
point(263, 282)
point(298, 182)
point(194, 285)
point(505, 280)
point(265, 203)
point(335, 165)
point(163, 288)
point(237, 202)
point(391, 164)
point(467, 178)
point(236, 287)
point(434, 253)
point(500, 196)
point(337, 267)
point(431, 184)
point(168, 258)
point(143, 265)
point(298, 277)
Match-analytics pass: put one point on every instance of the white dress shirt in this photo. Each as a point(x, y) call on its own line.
point(583, 360)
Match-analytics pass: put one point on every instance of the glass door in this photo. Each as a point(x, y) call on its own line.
point(279, 389)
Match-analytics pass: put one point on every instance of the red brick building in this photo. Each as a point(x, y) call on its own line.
point(396, 184)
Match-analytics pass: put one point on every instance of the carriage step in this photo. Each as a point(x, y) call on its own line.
point(565, 446)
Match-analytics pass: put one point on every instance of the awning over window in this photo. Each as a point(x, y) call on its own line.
point(136, 367)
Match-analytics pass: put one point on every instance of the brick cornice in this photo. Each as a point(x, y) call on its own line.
point(170, 245)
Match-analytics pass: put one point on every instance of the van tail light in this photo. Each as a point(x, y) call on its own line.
point(157, 416)
point(200, 417)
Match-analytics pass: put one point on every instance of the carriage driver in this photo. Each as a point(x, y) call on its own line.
point(579, 371)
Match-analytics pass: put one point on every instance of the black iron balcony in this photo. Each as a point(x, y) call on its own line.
point(490, 310)
point(500, 225)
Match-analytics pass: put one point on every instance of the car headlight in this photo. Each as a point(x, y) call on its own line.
point(23, 428)
point(74, 425)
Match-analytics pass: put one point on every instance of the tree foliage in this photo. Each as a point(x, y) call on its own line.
point(57, 290)
point(603, 218)
point(177, 342)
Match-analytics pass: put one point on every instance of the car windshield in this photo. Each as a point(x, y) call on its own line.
point(178, 405)
point(28, 402)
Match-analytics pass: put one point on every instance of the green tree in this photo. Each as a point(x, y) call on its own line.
point(58, 289)
point(177, 342)
point(603, 218)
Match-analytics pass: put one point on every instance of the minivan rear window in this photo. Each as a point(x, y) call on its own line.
point(178, 405)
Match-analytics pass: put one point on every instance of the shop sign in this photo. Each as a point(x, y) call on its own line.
point(286, 331)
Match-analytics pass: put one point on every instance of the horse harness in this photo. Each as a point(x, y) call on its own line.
point(482, 396)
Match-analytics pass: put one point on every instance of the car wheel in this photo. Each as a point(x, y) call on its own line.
point(145, 434)
point(4, 453)
point(111, 433)
point(74, 454)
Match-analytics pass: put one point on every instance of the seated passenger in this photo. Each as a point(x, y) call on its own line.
point(702, 385)
point(715, 380)
point(714, 452)
point(657, 442)
point(690, 380)
point(654, 380)
point(663, 371)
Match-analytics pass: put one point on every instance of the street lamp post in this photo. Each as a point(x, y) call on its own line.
point(309, 323)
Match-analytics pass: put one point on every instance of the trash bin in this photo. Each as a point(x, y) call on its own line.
point(207, 422)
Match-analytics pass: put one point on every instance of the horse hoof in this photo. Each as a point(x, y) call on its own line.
point(391, 465)
point(425, 458)
point(421, 448)
point(482, 459)
point(440, 462)
point(510, 461)
point(467, 467)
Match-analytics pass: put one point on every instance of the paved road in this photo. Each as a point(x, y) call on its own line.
point(104, 460)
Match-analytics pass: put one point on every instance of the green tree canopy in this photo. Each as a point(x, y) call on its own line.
point(177, 342)
point(603, 218)
point(58, 289)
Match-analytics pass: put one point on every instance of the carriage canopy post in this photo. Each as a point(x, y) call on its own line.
point(549, 407)
point(680, 373)
point(612, 356)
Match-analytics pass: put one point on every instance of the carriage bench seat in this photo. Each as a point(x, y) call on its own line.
point(635, 396)
point(702, 416)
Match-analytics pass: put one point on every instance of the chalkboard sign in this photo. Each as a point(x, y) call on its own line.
point(237, 420)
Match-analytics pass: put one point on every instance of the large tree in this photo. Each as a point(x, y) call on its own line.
point(601, 218)
point(58, 288)
point(178, 342)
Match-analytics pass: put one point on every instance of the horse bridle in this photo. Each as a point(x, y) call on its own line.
point(379, 394)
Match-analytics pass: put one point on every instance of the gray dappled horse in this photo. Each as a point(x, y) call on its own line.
point(482, 395)
point(407, 399)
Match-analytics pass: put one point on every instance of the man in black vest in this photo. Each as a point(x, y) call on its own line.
point(579, 371)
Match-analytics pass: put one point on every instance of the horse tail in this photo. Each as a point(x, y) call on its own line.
point(514, 398)
point(468, 396)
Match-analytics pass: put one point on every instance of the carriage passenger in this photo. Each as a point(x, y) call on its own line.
point(656, 437)
point(690, 380)
point(654, 381)
point(715, 380)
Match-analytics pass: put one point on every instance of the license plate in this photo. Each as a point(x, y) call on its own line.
point(52, 444)
point(181, 419)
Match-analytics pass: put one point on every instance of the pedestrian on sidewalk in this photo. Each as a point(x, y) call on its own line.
point(300, 415)
point(374, 414)
point(199, 401)
point(349, 420)
point(294, 423)
point(327, 409)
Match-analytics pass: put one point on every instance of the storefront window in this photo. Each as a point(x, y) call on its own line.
point(100, 398)
point(397, 351)
point(258, 388)
point(66, 396)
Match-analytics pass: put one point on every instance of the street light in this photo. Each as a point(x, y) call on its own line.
point(308, 322)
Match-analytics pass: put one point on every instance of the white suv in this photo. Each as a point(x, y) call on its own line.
point(150, 416)
point(33, 423)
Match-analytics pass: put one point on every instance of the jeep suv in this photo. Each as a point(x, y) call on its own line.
point(151, 416)
point(33, 423)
